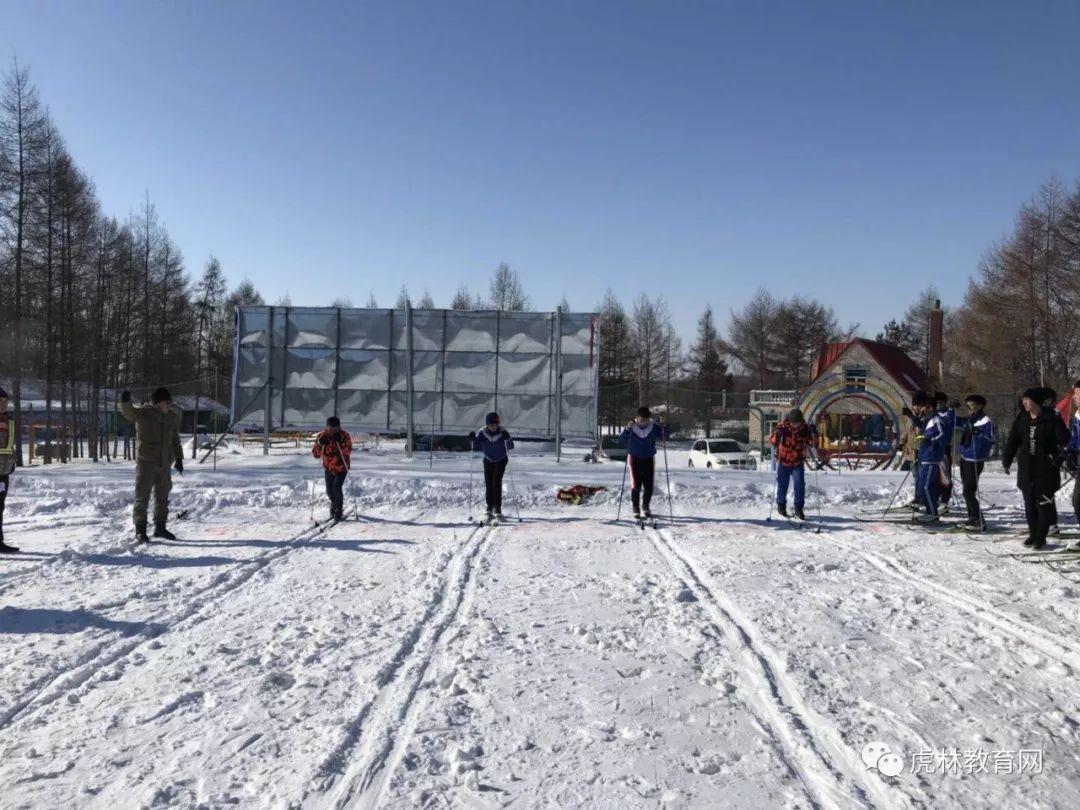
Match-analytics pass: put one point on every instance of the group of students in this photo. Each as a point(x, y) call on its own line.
point(1040, 443)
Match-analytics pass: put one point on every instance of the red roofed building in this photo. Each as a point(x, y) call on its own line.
point(855, 396)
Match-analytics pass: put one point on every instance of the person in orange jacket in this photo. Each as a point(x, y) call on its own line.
point(334, 446)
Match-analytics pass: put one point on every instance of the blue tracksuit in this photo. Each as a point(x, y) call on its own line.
point(493, 445)
point(977, 440)
point(1074, 433)
point(641, 442)
point(931, 457)
point(948, 418)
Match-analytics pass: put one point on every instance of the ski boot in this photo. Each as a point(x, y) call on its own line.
point(926, 517)
point(637, 516)
point(1029, 542)
point(4, 547)
point(943, 509)
point(799, 514)
point(162, 532)
point(781, 508)
point(1053, 531)
point(140, 534)
point(489, 516)
point(647, 514)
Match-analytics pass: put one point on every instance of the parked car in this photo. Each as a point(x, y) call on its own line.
point(723, 453)
point(445, 443)
point(611, 449)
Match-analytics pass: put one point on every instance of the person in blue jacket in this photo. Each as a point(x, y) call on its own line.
point(1072, 449)
point(947, 411)
point(930, 455)
point(976, 445)
point(639, 438)
point(495, 443)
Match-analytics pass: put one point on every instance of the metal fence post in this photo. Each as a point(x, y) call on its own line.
point(269, 380)
point(558, 385)
point(410, 392)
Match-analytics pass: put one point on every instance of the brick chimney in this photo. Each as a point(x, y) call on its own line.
point(934, 347)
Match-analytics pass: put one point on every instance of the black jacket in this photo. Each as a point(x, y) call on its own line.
point(1041, 468)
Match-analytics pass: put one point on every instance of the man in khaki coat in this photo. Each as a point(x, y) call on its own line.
point(157, 431)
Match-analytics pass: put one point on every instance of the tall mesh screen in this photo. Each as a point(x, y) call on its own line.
point(356, 363)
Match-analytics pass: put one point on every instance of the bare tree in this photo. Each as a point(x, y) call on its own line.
point(507, 293)
point(752, 339)
point(22, 125)
point(462, 299)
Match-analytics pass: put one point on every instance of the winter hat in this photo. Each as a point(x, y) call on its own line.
point(644, 412)
point(976, 399)
point(922, 398)
point(1034, 394)
point(491, 419)
point(333, 421)
point(940, 396)
point(161, 395)
point(795, 415)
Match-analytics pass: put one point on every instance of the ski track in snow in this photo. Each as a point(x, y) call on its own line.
point(827, 767)
point(55, 685)
point(485, 667)
point(1055, 647)
point(384, 726)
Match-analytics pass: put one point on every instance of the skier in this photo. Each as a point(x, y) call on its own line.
point(917, 424)
point(1073, 449)
point(7, 463)
point(1037, 443)
point(976, 445)
point(334, 446)
point(495, 443)
point(947, 412)
point(930, 454)
point(793, 440)
point(157, 431)
point(639, 438)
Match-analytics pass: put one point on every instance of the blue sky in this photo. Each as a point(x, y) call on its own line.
point(855, 152)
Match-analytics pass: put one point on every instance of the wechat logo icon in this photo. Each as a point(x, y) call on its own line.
point(877, 756)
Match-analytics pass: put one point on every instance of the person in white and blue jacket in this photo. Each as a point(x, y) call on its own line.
point(1072, 449)
point(496, 444)
point(639, 438)
point(930, 454)
point(947, 411)
point(976, 445)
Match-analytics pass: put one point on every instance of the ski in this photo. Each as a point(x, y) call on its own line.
point(806, 525)
point(1059, 555)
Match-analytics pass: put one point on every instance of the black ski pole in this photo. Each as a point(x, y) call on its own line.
point(513, 486)
point(895, 494)
point(622, 488)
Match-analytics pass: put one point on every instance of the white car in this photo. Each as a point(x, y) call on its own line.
point(723, 453)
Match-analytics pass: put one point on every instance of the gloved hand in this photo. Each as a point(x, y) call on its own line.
point(919, 438)
point(472, 435)
point(630, 424)
point(1006, 467)
point(179, 465)
point(125, 397)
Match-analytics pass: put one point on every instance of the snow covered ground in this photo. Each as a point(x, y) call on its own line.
point(411, 659)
